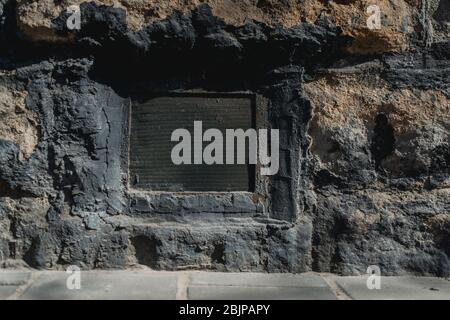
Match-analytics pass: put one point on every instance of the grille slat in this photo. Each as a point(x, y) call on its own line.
point(152, 124)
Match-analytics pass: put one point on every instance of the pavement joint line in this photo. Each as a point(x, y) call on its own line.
point(23, 288)
point(339, 292)
point(183, 281)
point(251, 286)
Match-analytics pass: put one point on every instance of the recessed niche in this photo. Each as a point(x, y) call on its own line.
point(152, 123)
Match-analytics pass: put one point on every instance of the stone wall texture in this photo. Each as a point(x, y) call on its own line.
point(371, 108)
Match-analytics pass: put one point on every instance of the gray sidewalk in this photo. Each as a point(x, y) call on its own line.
point(197, 285)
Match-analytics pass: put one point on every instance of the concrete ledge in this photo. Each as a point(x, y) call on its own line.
point(305, 280)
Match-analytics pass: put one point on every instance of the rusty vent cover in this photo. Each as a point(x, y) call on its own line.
point(152, 124)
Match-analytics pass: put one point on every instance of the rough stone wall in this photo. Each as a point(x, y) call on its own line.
point(372, 108)
point(19, 123)
point(404, 21)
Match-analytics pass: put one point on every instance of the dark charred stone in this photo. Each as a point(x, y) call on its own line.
point(429, 68)
point(383, 141)
point(442, 13)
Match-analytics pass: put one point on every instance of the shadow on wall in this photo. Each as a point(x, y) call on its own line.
point(146, 251)
point(442, 13)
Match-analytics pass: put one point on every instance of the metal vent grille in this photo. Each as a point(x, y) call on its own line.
point(152, 124)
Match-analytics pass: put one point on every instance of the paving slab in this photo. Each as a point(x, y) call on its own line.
point(257, 279)
point(7, 291)
point(196, 285)
point(105, 285)
point(14, 278)
point(258, 293)
point(396, 288)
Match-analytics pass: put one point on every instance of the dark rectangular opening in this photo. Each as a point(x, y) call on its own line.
point(154, 120)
